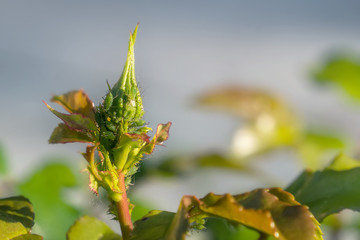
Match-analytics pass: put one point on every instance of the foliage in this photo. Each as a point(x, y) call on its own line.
point(117, 140)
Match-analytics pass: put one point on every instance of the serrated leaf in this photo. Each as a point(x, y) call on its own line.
point(75, 121)
point(63, 134)
point(328, 191)
point(76, 102)
point(272, 212)
point(45, 188)
point(20, 209)
point(342, 70)
point(28, 237)
point(90, 228)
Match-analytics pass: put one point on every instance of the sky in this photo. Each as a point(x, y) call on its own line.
point(183, 48)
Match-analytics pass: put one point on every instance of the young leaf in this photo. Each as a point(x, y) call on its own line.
point(90, 228)
point(76, 102)
point(63, 134)
point(331, 190)
point(75, 121)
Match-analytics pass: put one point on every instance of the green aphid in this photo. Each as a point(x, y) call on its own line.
point(111, 126)
point(108, 135)
point(108, 101)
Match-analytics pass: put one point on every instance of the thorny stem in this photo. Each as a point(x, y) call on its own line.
point(122, 208)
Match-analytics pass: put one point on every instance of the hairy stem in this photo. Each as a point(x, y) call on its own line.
point(122, 208)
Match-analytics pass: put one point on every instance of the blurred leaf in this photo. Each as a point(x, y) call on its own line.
point(16, 217)
point(45, 189)
point(343, 162)
point(28, 237)
point(63, 134)
point(10, 228)
point(342, 70)
point(3, 164)
point(90, 228)
point(315, 148)
point(269, 121)
point(20, 209)
point(331, 190)
point(76, 102)
point(273, 212)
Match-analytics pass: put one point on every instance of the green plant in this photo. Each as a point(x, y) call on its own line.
point(117, 140)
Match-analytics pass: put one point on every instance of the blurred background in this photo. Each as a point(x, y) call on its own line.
point(189, 54)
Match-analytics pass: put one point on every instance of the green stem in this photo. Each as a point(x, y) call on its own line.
point(122, 208)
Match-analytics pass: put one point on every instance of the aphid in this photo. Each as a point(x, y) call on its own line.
point(108, 99)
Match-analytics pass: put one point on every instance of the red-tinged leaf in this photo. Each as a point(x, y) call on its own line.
point(63, 134)
point(76, 102)
point(143, 137)
point(75, 121)
point(162, 133)
point(271, 212)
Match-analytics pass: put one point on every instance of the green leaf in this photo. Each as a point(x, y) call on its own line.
point(16, 217)
point(220, 229)
point(63, 134)
point(331, 190)
point(315, 148)
point(342, 70)
point(45, 188)
point(343, 162)
point(20, 209)
point(75, 121)
point(90, 228)
point(28, 237)
point(154, 225)
point(76, 102)
point(9, 227)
